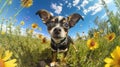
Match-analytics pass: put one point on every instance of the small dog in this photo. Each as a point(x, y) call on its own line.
point(58, 28)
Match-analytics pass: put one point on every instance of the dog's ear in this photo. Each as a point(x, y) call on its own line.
point(74, 18)
point(44, 15)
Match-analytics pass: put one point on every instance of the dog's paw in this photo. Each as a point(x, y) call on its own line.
point(63, 62)
point(52, 64)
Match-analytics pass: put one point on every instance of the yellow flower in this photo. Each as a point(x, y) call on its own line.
point(44, 40)
point(111, 36)
point(22, 22)
point(115, 60)
point(40, 36)
point(96, 34)
point(92, 44)
point(34, 25)
point(30, 31)
point(2, 32)
point(5, 60)
point(26, 3)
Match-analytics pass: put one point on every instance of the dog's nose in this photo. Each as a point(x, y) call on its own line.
point(57, 30)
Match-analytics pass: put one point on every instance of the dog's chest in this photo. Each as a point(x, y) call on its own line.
point(62, 46)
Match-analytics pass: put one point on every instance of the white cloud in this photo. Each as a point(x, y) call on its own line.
point(97, 10)
point(75, 2)
point(84, 3)
point(107, 1)
point(78, 7)
point(85, 11)
point(104, 16)
point(61, 4)
point(66, 1)
point(97, 7)
point(69, 5)
point(57, 8)
point(83, 16)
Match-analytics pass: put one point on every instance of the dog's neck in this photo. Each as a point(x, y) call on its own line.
point(58, 41)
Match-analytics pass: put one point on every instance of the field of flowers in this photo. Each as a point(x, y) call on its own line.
point(100, 48)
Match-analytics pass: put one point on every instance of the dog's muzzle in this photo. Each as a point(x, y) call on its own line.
point(57, 30)
point(57, 33)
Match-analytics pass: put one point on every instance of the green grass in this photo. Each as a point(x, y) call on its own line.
point(29, 51)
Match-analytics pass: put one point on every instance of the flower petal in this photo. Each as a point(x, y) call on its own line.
point(11, 63)
point(108, 60)
point(115, 54)
point(118, 50)
point(96, 45)
point(7, 55)
point(107, 65)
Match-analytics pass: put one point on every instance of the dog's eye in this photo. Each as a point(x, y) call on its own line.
point(50, 25)
point(53, 20)
point(66, 25)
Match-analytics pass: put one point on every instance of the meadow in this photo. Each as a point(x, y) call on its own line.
point(29, 50)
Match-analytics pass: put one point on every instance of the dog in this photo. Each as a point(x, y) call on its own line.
point(58, 28)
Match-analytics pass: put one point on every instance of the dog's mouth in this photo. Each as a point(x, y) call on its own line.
point(57, 37)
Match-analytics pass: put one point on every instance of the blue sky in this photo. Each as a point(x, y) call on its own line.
point(89, 9)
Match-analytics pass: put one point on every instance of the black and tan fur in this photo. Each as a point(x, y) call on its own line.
point(58, 28)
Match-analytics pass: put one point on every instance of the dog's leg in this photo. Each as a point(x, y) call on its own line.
point(64, 57)
point(54, 59)
point(54, 56)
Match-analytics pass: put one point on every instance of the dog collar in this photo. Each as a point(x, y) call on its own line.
point(62, 42)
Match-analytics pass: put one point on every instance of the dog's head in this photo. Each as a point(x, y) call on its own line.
point(58, 26)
